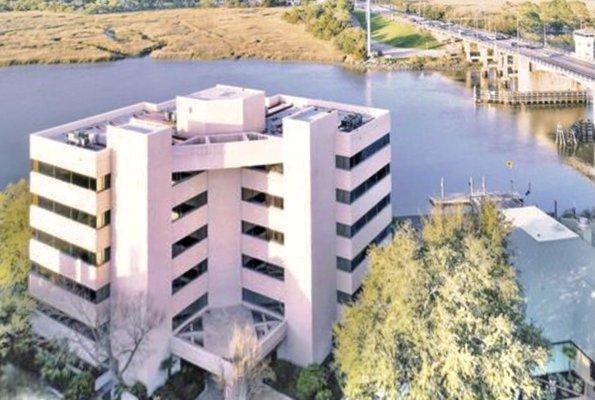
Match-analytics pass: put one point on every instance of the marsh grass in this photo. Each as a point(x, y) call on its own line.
point(45, 37)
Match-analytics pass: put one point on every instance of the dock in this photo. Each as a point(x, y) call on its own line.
point(515, 98)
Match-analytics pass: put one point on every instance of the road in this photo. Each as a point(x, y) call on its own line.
point(556, 58)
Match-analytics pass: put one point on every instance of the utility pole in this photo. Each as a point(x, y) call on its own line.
point(369, 29)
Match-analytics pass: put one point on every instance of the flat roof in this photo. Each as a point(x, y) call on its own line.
point(557, 276)
point(222, 92)
point(538, 224)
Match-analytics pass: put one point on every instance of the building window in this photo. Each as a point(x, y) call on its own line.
point(178, 177)
point(263, 301)
point(188, 206)
point(264, 199)
point(350, 231)
point(277, 168)
point(189, 311)
point(348, 163)
point(347, 197)
point(262, 232)
point(268, 269)
point(190, 275)
point(346, 298)
point(346, 265)
point(72, 213)
point(86, 182)
point(72, 250)
point(94, 296)
point(188, 241)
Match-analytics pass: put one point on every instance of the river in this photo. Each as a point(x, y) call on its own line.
point(437, 130)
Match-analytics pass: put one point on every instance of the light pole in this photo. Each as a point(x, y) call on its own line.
point(369, 29)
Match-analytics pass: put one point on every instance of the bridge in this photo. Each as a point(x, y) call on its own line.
point(521, 66)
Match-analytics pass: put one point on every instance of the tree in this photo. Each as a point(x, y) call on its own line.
point(14, 234)
point(311, 381)
point(16, 336)
point(245, 379)
point(123, 341)
point(441, 316)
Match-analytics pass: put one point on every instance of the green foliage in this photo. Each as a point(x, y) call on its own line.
point(139, 391)
point(55, 362)
point(80, 387)
point(14, 234)
point(324, 394)
point(352, 41)
point(15, 328)
point(311, 381)
point(186, 384)
point(441, 315)
point(330, 20)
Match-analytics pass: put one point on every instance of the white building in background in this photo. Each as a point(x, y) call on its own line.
point(223, 207)
point(584, 44)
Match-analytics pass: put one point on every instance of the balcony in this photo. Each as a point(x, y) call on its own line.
point(206, 340)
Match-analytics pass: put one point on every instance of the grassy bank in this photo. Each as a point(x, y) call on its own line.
point(397, 34)
point(45, 37)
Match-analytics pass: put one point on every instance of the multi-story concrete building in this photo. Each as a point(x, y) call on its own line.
point(224, 207)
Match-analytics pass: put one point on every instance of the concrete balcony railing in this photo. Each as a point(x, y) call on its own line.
point(263, 284)
point(69, 303)
point(79, 271)
point(189, 293)
point(189, 258)
point(271, 217)
point(232, 150)
point(91, 202)
point(349, 213)
point(82, 235)
point(49, 328)
point(271, 183)
point(266, 251)
point(350, 247)
point(188, 188)
point(357, 175)
point(187, 224)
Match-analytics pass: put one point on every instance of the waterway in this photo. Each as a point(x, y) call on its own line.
point(437, 130)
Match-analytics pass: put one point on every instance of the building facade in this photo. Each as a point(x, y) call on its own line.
point(222, 208)
point(584, 44)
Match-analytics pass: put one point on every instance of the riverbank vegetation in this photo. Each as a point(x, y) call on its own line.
point(47, 37)
point(397, 34)
point(331, 20)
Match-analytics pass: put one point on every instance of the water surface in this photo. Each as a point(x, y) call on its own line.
point(437, 130)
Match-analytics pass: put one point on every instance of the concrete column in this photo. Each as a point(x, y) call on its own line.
point(310, 235)
point(225, 216)
point(141, 236)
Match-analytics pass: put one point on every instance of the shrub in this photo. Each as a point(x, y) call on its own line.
point(324, 394)
point(353, 42)
point(311, 381)
point(80, 387)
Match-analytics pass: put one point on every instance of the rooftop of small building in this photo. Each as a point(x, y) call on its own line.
point(588, 32)
point(556, 269)
point(224, 92)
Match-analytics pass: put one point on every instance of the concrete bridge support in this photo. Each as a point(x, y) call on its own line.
point(532, 78)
